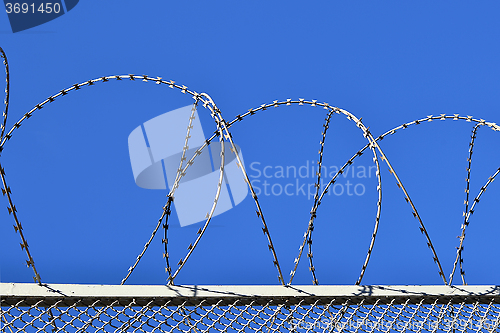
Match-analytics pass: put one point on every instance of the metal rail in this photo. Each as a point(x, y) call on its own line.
point(52, 292)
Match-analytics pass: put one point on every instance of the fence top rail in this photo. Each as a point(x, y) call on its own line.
point(226, 292)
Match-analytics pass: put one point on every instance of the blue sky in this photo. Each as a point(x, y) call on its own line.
point(389, 62)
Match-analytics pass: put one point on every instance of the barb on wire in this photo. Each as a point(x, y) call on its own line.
point(18, 227)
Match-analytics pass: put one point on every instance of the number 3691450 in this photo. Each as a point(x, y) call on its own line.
point(25, 8)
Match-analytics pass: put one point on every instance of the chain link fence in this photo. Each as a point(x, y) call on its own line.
point(77, 308)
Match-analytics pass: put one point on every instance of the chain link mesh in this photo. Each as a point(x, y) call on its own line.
point(310, 313)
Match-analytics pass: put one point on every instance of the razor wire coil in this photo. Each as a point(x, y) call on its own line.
point(224, 135)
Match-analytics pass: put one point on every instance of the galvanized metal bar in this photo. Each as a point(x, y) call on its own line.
point(62, 291)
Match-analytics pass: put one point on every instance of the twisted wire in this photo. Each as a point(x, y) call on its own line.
point(372, 145)
point(217, 114)
point(265, 229)
point(349, 116)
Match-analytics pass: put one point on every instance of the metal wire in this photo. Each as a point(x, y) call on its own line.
point(224, 134)
point(406, 311)
point(310, 227)
point(7, 93)
point(372, 145)
point(18, 227)
point(177, 179)
point(466, 203)
point(493, 126)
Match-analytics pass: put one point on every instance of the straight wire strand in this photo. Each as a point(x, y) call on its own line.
point(167, 210)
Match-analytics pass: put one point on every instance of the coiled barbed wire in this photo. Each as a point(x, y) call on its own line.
point(224, 134)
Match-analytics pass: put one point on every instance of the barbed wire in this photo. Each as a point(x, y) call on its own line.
point(359, 153)
point(177, 178)
point(310, 226)
point(466, 203)
point(18, 227)
point(493, 126)
point(7, 93)
point(224, 134)
point(373, 144)
point(207, 103)
point(460, 248)
point(6, 191)
point(210, 214)
point(359, 124)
